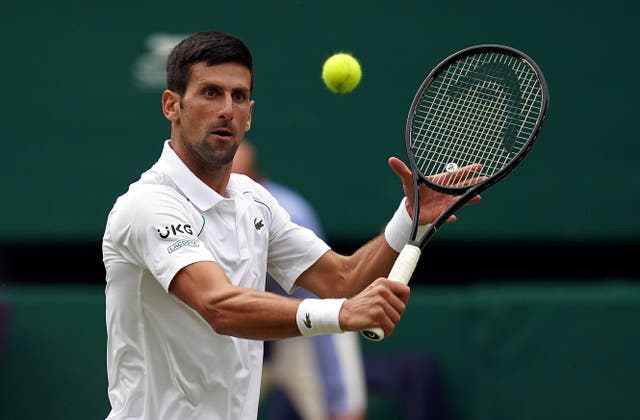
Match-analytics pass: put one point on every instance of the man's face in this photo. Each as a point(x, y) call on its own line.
point(210, 120)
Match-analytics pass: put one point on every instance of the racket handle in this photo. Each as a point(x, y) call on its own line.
point(401, 271)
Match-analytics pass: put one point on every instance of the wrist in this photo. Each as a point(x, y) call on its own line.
point(398, 230)
point(319, 316)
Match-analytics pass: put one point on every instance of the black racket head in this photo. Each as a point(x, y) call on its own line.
point(482, 105)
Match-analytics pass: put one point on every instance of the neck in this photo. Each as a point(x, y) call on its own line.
point(215, 177)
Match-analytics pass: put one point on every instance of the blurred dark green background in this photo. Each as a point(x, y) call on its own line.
point(528, 303)
point(82, 109)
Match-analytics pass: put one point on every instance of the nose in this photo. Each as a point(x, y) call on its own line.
point(226, 107)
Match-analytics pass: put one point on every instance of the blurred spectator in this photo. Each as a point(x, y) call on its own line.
point(322, 377)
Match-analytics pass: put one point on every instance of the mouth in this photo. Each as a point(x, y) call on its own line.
point(223, 133)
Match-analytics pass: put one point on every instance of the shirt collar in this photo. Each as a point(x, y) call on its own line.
point(191, 186)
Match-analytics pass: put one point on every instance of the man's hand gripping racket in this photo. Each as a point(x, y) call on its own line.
point(472, 121)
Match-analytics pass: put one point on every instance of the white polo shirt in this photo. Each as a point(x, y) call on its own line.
point(164, 361)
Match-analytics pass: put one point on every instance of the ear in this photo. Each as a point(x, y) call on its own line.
point(248, 126)
point(171, 105)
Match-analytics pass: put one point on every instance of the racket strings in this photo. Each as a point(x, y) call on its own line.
point(478, 123)
point(481, 109)
point(476, 120)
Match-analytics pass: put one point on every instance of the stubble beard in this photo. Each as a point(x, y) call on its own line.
point(214, 154)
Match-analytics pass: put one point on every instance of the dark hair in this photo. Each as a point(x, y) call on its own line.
point(211, 47)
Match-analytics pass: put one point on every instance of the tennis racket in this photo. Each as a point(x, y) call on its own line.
point(472, 121)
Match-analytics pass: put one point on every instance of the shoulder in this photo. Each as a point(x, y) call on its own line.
point(147, 211)
point(241, 182)
point(301, 211)
point(247, 187)
point(141, 197)
point(144, 204)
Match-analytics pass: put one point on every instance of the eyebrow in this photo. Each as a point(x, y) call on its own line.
point(204, 84)
point(243, 90)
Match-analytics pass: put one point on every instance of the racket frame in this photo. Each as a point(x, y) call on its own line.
point(465, 193)
point(408, 258)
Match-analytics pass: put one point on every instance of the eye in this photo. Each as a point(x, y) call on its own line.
point(210, 92)
point(240, 95)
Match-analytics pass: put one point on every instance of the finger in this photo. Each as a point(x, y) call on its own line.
point(466, 175)
point(390, 303)
point(474, 167)
point(399, 167)
point(473, 200)
point(401, 170)
point(400, 290)
point(465, 171)
point(395, 309)
point(469, 169)
point(396, 300)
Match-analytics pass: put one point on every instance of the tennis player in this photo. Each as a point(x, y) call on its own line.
point(187, 249)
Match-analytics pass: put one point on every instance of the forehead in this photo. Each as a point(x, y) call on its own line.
point(226, 75)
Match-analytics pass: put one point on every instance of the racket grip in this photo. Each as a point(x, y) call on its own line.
point(401, 271)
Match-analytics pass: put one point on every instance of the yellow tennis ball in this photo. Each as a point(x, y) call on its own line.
point(341, 73)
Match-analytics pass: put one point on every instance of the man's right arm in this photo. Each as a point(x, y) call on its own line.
point(234, 310)
point(248, 313)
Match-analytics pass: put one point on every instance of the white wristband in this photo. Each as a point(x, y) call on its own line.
point(319, 316)
point(398, 229)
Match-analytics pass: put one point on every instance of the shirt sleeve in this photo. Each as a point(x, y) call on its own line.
point(292, 249)
point(157, 229)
